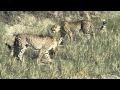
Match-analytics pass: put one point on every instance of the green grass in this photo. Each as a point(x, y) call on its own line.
point(84, 59)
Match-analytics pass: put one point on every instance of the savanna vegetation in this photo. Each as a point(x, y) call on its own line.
point(85, 58)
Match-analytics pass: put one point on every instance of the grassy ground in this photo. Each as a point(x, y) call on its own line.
point(82, 59)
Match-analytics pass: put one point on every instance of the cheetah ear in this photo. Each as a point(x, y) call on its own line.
point(14, 34)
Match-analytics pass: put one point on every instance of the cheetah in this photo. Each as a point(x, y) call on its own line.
point(39, 42)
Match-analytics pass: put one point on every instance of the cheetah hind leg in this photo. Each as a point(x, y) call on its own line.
point(20, 55)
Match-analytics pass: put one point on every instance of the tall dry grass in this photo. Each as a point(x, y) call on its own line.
point(82, 59)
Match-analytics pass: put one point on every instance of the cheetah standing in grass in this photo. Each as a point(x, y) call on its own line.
point(44, 44)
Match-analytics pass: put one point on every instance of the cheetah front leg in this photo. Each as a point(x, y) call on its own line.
point(70, 36)
point(47, 55)
point(41, 54)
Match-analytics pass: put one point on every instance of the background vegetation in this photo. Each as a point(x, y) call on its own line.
point(85, 58)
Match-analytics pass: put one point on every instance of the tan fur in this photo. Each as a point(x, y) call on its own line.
point(55, 28)
point(86, 24)
point(39, 42)
point(72, 28)
point(69, 28)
